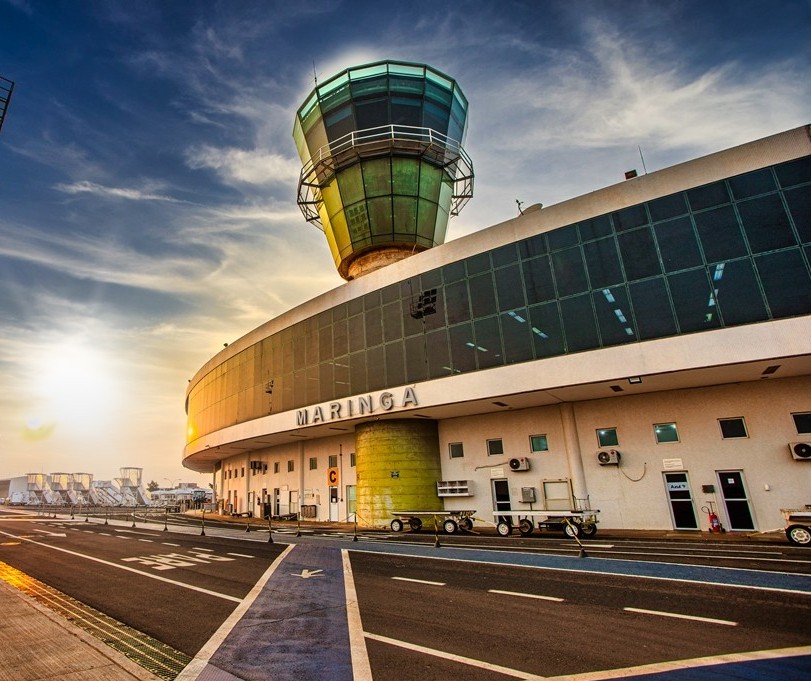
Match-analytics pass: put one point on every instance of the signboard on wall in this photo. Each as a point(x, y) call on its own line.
point(333, 477)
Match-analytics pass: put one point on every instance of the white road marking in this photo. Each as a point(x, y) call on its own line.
point(679, 616)
point(524, 595)
point(681, 665)
point(199, 548)
point(166, 543)
point(118, 566)
point(198, 664)
point(240, 555)
point(147, 540)
point(361, 670)
point(419, 581)
point(170, 561)
point(307, 574)
point(455, 658)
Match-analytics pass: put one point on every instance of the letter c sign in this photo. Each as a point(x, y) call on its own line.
point(332, 477)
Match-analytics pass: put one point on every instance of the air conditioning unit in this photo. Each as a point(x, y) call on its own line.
point(521, 464)
point(608, 457)
point(801, 451)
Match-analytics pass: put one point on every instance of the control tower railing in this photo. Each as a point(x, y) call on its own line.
point(385, 140)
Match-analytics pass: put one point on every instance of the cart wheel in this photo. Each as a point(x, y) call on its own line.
point(588, 529)
point(415, 524)
point(799, 535)
point(466, 524)
point(397, 525)
point(572, 530)
point(525, 527)
point(504, 529)
point(450, 526)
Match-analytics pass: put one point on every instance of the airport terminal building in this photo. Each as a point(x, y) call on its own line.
point(646, 346)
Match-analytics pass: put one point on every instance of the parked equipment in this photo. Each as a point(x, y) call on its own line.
point(450, 521)
point(573, 523)
point(798, 525)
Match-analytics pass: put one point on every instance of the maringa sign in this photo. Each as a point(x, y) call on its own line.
point(355, 406)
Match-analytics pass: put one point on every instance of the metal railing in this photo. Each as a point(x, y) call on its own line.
point(406, 140)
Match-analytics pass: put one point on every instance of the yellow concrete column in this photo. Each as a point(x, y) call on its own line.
point(397, 464)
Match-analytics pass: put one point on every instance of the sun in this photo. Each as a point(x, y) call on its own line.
point(77, 384)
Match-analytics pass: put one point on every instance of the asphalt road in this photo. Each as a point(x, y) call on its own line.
point(555, 622)
point(433, 616)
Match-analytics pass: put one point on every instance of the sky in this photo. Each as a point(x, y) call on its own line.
point(148, 173)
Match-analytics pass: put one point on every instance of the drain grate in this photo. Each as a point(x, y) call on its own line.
point(149, 653)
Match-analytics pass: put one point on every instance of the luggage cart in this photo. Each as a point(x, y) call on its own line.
point(450, 521)
point(573, 523)
point(798, 525)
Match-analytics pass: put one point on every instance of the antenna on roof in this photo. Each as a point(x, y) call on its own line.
point(643, 159)
point(315, 75)
point(520, 203)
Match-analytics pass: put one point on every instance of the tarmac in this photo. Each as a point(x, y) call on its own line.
point(39, 644)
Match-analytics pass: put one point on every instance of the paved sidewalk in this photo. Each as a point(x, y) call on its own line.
point(38, 644)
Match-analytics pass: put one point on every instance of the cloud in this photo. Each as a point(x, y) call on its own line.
point(22, 5)
point(614, 93)
point(253, 167)
point(86, 257)
point(574, 121)
point(86, 187)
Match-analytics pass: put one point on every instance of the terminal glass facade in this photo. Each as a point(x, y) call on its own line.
point(732, 252)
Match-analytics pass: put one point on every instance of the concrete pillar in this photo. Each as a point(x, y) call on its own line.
point(574, 458)
point(397, 465)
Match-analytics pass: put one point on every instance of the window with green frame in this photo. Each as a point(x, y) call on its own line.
point(666, 432)
point(607, 437)
point(538, 443)
point(495, 447)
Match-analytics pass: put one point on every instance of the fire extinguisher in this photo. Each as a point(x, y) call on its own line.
point(715, 523)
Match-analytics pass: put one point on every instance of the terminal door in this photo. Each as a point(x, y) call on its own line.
point(501, 499)
point(333, 504)
point(736, 500)
point(682, 509)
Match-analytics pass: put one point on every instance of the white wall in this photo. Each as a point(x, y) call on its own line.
point(633, 495)
point(309, 486)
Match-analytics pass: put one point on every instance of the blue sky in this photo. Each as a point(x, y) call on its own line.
point(148, 173)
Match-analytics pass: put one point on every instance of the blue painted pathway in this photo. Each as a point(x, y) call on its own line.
point(295, 629)
point(780, 669)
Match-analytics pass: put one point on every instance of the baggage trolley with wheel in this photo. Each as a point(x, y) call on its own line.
point(572, 523)
point(450, 521)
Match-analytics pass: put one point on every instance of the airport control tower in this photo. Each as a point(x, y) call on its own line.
point(383, 163)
